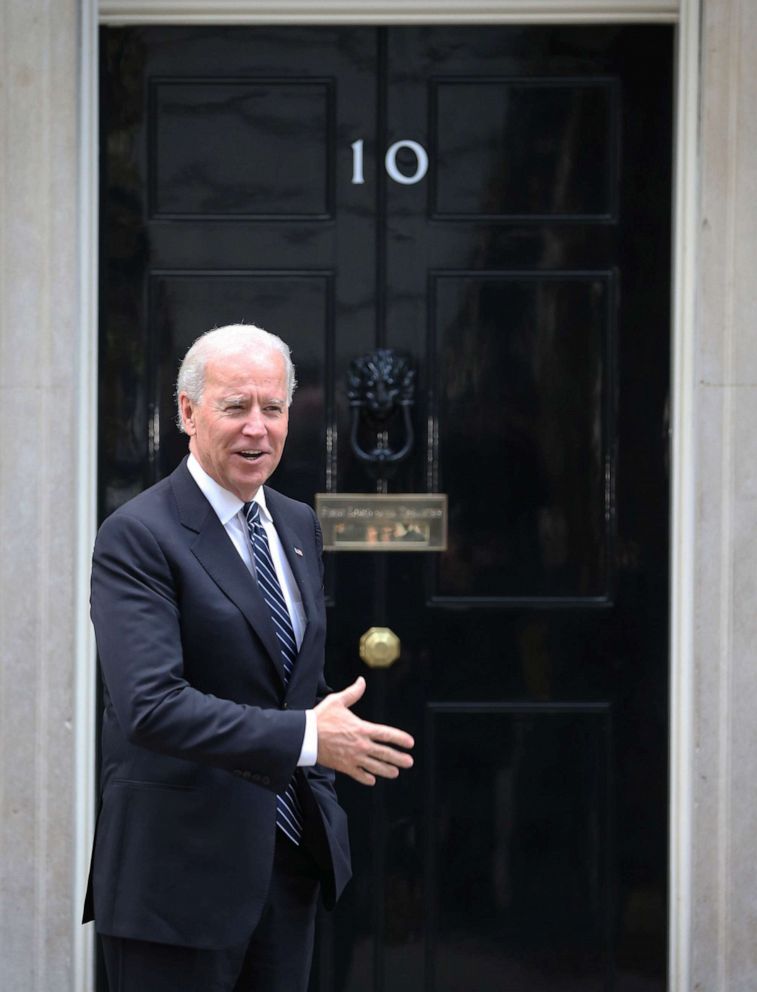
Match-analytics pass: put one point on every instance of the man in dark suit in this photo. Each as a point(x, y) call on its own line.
point(219, 822)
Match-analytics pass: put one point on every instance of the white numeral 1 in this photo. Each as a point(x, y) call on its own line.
point(357, 162)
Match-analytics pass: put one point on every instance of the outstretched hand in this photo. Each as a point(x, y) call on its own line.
point(356, 747)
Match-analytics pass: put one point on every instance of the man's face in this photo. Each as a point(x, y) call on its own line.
point(238, 429)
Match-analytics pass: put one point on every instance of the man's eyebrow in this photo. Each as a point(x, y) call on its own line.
point(244, 398)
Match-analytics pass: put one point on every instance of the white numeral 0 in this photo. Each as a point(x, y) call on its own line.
point(390, 162)
point(421, 158)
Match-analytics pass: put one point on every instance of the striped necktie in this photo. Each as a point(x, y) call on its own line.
point(288, 809)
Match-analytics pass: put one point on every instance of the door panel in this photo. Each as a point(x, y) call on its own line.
point(523, 148)
point(284, 126)
point(522, 365)
point(527, 273)
point(525, 815)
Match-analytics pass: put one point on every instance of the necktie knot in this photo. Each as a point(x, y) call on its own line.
point(252, 512)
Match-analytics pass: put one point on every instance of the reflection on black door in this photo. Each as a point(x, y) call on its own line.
point(526, 270)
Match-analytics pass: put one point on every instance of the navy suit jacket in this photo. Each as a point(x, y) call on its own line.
point(199, 730)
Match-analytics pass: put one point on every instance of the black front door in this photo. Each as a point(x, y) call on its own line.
point(494, 202)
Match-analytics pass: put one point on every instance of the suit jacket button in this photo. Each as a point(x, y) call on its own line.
point(265, 780)
point(255, 777)
point(285, 706)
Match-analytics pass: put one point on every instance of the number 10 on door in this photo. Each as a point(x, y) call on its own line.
point(390, 162)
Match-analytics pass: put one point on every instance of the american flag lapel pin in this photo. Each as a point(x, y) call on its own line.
point(298, 551)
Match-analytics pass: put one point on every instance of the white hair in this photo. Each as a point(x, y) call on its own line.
point(233, 339)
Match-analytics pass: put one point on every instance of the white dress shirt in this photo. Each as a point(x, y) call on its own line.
point(228, 509)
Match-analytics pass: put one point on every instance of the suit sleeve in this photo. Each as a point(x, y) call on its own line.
point(136, 619)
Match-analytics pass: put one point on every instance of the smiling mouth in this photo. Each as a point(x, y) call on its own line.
point(252, 455)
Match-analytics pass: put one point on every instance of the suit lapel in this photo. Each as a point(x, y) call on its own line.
point(215, 551)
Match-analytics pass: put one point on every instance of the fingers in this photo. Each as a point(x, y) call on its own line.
point(389, 757)
point(382, 762)
point(384, 734)
point(369, 769)
point(349, 696)
point(362, 776)
point(379, 768)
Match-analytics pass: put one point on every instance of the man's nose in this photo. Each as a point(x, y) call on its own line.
point(254, 423)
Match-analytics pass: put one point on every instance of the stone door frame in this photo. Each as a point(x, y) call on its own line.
point(685, 14)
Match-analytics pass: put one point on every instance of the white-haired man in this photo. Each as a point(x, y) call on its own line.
point(219, 823)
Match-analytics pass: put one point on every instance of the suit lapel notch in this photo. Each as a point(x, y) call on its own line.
point(191, 505)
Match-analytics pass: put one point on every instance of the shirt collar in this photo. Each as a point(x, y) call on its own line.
point(259, 498)
point(225, 504)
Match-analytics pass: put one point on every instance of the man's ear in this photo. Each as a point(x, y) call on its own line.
point(187, 413)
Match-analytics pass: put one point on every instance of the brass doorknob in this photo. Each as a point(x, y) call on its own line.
point(379, 647)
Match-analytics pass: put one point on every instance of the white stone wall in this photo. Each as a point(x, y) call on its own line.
point(44, 537)
point(38, 458)
point(724, 855)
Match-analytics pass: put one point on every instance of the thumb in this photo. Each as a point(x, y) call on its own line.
point(352, 693)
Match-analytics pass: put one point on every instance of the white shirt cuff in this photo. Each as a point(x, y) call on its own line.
point(309, 752)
